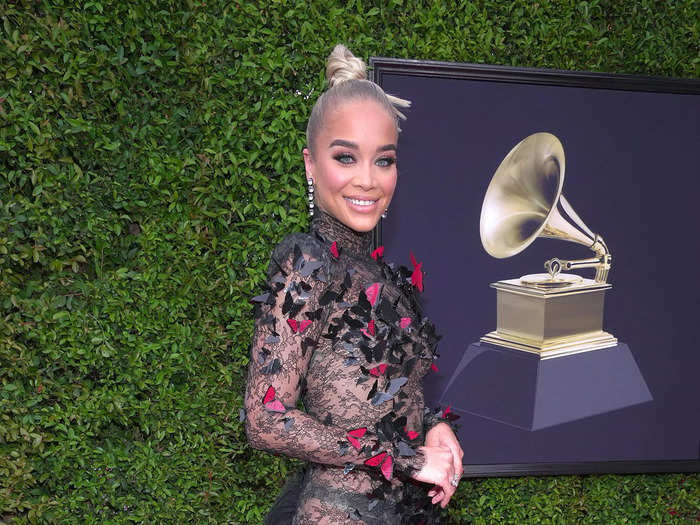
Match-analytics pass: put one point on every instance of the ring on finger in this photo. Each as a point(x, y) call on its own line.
point(455, 480)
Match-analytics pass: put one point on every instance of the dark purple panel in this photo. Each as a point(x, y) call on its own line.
point(632, 174)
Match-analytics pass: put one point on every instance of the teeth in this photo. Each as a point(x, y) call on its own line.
point(361, 203)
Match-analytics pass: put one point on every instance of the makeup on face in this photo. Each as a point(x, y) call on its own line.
point(354, 164)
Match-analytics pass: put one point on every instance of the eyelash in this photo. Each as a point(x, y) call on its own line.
point(342, 156)
point(386, 161)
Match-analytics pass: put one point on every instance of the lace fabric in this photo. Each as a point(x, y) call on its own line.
point(341, 331)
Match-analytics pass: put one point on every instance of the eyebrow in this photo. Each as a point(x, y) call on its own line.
point(352, 145)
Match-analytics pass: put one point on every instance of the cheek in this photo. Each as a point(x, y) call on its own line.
point(389, 185)
point(332, 180)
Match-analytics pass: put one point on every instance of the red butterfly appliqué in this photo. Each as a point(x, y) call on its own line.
point(405, 321)
point(298, 326)
point(386, 462)
point(370, 329)
point(379, 252)
point(372, 291)
point(375, 461)
point(446, 414)
point(378, 370)
point(271, 403)
point(417, 276)
point(334, 250)
point(388, 467)
point(354, 435)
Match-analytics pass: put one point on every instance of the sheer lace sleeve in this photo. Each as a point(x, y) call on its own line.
point(432, 417)
point(290, 318)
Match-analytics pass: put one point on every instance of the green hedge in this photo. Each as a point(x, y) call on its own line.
point(149, 160)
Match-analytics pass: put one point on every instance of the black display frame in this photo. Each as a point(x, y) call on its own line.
point(382, 66)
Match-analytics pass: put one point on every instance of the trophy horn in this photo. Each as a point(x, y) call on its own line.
point(524, 201)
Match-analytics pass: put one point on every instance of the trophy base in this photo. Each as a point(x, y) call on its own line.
point(550, 321)
point(522, 390)
point(553, 348)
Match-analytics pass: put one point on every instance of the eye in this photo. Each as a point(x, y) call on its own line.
point(385, 162)
point(344, 158)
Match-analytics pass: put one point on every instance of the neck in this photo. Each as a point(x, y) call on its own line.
point(331, 229)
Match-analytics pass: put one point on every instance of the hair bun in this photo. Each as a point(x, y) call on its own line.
point(342, 65)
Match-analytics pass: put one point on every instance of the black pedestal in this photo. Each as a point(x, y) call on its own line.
point(523, 390)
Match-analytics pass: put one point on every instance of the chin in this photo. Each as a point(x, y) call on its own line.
point(363, 224)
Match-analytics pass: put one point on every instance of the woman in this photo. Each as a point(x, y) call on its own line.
point(341, 330)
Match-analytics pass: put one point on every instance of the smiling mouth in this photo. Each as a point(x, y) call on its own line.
point(361, 202)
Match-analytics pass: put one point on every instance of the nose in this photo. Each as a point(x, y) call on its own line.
point(364, 176)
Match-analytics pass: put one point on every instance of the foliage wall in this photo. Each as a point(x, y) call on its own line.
point(149, 160)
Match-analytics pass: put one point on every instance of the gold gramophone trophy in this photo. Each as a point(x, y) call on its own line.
point(554, 313)
point(536, 369)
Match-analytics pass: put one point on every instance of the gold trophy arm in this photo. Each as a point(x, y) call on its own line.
point(601, 262)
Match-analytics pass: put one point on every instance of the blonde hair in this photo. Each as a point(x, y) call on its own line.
point(347, 80)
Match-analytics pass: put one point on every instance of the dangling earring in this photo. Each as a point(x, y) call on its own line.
point(310, 183)
point(386, 212)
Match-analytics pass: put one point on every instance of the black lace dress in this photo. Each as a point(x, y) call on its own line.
point(341, 331)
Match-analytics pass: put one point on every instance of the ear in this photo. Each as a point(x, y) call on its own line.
point(308, 163)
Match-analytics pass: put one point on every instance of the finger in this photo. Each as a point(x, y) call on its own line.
point(451, 490)
point(439, 495)
point(458, 467)
point(447, 487)
point(459, 472)
point(447, 497)
point(457, 454)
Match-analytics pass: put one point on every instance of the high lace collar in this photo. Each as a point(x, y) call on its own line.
point(332, 229)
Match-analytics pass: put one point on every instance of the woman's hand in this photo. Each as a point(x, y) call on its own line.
point(441, 435)
point(438, 470)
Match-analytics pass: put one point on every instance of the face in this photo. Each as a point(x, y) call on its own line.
point(354, 164)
